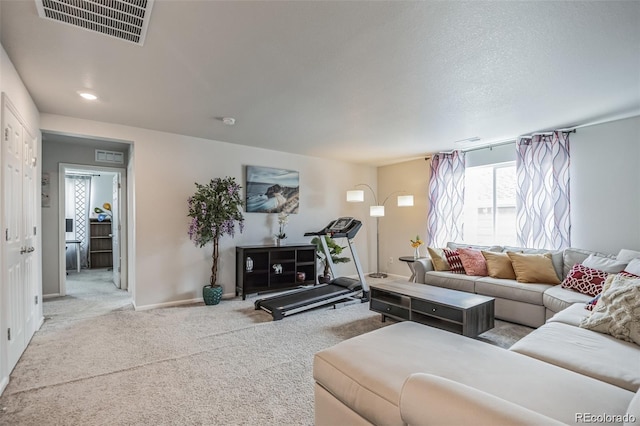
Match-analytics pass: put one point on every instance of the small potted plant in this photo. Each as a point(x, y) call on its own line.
point(335, 250)
point(283, 219)
point(214, 209)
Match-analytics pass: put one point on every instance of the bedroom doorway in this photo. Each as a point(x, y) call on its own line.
point(93, 227)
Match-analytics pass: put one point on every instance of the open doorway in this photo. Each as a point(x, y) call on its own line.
point(93, 212)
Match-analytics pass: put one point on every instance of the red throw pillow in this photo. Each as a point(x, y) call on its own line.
point(473, 262)
point(453, 257)
point(585, 280)
point(628, 274)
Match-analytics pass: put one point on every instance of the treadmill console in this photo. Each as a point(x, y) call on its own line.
point(340, 225)
point(340, 228)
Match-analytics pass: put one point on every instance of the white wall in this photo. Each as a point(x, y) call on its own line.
point(101, 191)
point(11, 84)
point(168, 267)
point(605, 186)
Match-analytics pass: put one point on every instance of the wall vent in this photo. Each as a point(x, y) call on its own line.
point(123, 19)
point(112, 157)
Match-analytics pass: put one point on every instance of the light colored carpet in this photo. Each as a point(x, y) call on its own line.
point(227, 364)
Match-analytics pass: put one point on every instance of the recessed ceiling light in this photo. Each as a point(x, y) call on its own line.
point(88, 96)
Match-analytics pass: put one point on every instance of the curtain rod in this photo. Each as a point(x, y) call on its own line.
point(506, 142)
point(71, 174)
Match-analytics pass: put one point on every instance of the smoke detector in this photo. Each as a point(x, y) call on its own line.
point(122, 19)
point(229, 121)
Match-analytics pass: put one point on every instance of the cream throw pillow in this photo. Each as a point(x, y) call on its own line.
point(618, 311)
point(533, 268)
point(499, 265)
point(438, 259)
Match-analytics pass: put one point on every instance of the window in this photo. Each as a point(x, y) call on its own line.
point(490, 204)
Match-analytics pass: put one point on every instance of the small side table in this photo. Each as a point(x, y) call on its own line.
point(410, 260)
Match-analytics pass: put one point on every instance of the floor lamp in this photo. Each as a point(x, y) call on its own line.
point(377, 211)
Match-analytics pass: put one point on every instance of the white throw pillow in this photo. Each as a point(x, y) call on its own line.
point(626, 255)
point(611, 266)
point(633, 267)
point(618, 311)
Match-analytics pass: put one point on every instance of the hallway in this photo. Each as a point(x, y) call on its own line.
point(90, 293)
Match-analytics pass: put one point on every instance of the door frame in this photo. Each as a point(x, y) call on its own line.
point(124, 241)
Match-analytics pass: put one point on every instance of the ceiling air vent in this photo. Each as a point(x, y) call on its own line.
point(122, 19)
point(113, 157)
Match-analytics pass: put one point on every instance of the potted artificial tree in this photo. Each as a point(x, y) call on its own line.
point(214, 209)
point(335, 250)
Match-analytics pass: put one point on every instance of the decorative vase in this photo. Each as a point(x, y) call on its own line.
point(212, 294)
point(416, 252)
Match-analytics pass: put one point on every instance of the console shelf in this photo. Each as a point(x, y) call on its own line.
point(274, 267)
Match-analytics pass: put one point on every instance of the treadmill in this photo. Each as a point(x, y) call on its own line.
point(341, 289)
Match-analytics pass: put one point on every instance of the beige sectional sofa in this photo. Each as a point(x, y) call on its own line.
point(523, 303)
point(408, 373)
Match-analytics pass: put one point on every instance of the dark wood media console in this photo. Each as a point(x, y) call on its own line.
point(274, 267)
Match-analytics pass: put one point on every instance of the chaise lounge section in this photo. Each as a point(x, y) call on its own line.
point(408, 373)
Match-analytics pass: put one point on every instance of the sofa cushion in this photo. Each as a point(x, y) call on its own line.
point(473, 262)
point(605, 264)
point(571, 256)
point(618, 310)
point(438, 259)
point(450, 280)
point(367, 372)
point(626, 255)
point(633, 267)
point(453, 259)
point(557, 298)
point(571, 315)
point(511, 289)
point(454, 246)
point(595, 355)
point(585, 280)
point(499, 265)
point(533, 268)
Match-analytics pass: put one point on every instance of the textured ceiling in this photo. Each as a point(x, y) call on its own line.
point(367, 82)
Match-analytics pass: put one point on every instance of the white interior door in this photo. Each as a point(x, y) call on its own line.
point(14, 247)
point(29, 206)
point(115, 230)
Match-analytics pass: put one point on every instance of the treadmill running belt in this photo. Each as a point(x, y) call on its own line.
point(307, 297)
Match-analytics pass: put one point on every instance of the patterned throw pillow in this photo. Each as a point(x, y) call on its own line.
point(592, 303)
point(453, 258)
point(618, 310)
point(585, 280)
point(473, 262)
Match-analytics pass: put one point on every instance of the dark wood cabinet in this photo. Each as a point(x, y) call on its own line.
point(100, 248)
point(263, 268)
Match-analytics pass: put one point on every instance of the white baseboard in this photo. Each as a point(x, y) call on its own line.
point(50, 296)
point(3, 384)
point(166, 304)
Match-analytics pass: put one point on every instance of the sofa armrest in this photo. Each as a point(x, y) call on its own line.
point(428, 399)
point(421, 267)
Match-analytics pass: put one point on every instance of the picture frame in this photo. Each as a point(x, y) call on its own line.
point(272, 190)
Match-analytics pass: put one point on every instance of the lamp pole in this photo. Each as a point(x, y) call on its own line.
point(378, 211)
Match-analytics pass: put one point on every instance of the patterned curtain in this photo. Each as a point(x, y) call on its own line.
point(542, 191)
point(77, 194)
point(446, 198)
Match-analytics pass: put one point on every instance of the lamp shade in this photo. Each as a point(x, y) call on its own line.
point(405, 200)
point(376, 211)
point(355, 196)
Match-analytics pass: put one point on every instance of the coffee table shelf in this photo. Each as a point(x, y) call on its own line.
point(456, 311)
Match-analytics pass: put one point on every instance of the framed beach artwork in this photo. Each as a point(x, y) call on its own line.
point(272, 190)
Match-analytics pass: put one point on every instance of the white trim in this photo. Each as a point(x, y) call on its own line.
point(50, 296)
point(124, 206)
point(3, 384)
point(166, 304)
